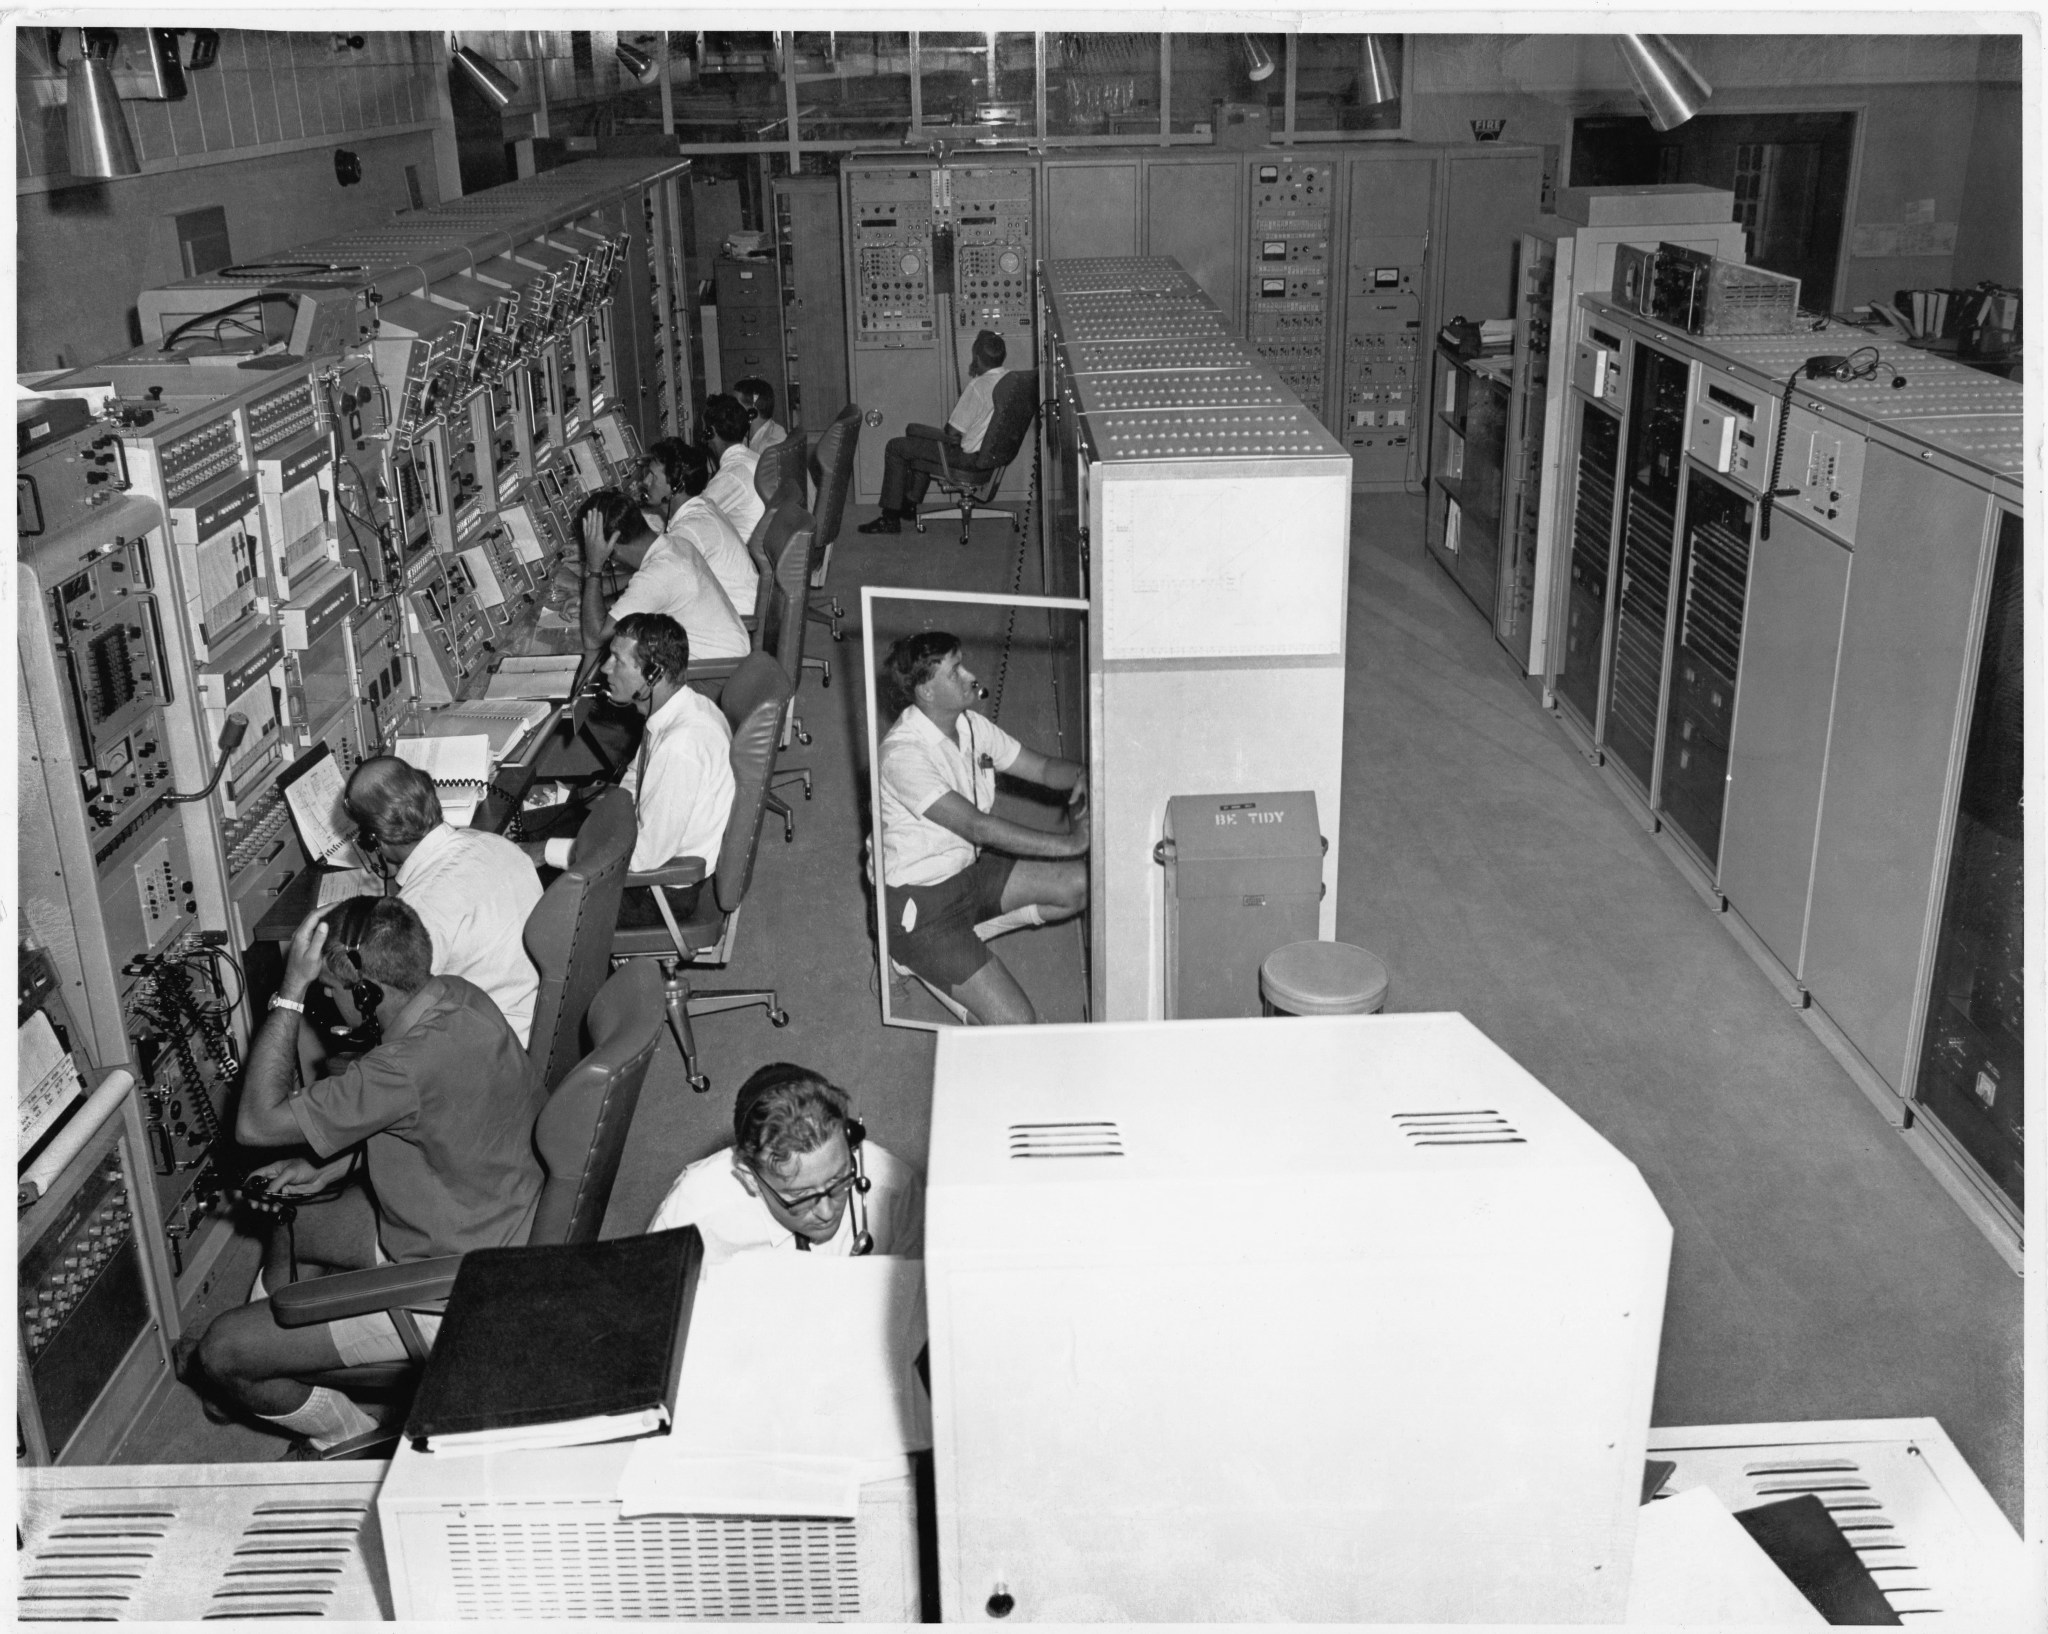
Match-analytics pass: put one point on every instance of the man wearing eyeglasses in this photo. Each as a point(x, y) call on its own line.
point(799, 1176)
point(472, 889)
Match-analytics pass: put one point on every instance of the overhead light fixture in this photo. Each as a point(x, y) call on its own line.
point(638, 65)
point(1380, 79)
point(97, 141)
point(1258, 61)
point(497, 85)
point(1669, 88)
point(205, 48)
point(166, 76)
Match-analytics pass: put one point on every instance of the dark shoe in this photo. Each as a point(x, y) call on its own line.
point(299, 1450)
point(885, 523)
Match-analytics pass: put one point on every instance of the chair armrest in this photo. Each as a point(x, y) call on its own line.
point(941, 434)
point(357, 1293)
point(683, 871)
point(710, 669)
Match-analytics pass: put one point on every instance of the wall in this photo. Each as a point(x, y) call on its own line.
point(255, 134)
point(1990, 244)
point(1917, 97)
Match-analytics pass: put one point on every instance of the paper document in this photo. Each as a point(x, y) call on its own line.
point(1695, 1564)
point(49, 1079)
point(582, 1432)
point(547, 676)
point(314, 797)
point(788, 1429)
point(342, 883)
point(504, 721)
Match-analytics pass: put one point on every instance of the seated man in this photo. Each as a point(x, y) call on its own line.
point(731, 489)
point(786, 1179)
point(909, 460)
point(669, 577)
point(471, 888)
point(681, 778)
point(948, 863)
point(757, 397)
point(440, 1113)
point(676, 476)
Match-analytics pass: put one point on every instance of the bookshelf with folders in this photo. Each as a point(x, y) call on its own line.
point(1467, 465)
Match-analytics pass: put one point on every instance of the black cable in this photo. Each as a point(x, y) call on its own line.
point(220, 312)
point(1771, 490)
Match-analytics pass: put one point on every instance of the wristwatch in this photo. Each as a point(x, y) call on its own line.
point(279, 1002)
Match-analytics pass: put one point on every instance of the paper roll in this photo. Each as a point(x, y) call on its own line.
point(71, 1139)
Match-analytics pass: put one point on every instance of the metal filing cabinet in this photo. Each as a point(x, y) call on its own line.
point(1244, 875)
point(1204, 512)
point(750, 322)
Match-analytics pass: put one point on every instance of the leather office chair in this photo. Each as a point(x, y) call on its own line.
point(569, 932)
point(779, 480)
point(753, 702)
point(971, 480)
point(832, 466)
point(580, 1135)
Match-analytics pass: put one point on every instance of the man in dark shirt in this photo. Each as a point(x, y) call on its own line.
point(438, 1112)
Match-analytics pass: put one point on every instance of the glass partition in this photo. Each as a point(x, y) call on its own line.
point(1205, 69)
point(851, 87)
point(1102, 85)
point(1348, 82)
point(1013, 646)
point(985, 79)
point(725, 87)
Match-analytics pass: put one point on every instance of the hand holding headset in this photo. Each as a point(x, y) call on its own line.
point(346, 930)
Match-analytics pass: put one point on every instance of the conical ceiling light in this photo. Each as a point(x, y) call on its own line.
point(499, 86)
point(1258, 61)
point(637, 64)
point(1380, 82)
point(97, 140)
point(1669, 88)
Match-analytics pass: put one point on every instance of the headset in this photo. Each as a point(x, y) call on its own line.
point(345, 933)
point(857, 1199)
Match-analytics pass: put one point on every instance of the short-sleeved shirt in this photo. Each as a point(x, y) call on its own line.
point(709, 1196)
point(702, 525)
point(977, 406)
point(681, 782)
point(444, 1111)
point(766, 435)
point(673, 578)
point(473, 890)
point(919, 764)
point(731, 488)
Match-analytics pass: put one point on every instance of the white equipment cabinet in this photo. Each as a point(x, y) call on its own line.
point(1339, 1318)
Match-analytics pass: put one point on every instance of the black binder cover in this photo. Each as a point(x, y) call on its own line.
point(1810, 1549)
point(556, 1332)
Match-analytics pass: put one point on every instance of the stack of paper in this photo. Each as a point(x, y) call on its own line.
point(548, 677)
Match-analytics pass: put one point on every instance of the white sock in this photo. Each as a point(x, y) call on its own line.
point(256, 1289)
point(326, 1417)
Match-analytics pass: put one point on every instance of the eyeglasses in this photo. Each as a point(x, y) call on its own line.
point(811, 1199)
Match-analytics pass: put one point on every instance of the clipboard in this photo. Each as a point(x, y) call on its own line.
point(312, 787)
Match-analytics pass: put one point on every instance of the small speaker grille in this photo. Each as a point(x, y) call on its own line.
point(1480, 1127)
point(1034, 1140)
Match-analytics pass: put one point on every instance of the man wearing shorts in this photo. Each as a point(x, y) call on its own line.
point(949, 864)
point(440, 1114)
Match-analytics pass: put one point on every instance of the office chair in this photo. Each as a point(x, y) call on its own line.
point(971, 480)
point(834, 466)
point(580, 1135)
point(779, 480)
point(569, 932)
point(753, 702)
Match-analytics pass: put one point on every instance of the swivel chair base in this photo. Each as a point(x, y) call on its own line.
point(684, 1001)
point(965, 513)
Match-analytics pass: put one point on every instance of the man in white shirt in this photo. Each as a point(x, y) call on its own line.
point(669, 576)
point(681, 778)
point(731, 489)
point(674, 480)
point(792, 1180)
point(757, 397)
point(472, 889)
point(909, 460)
point(948, 863)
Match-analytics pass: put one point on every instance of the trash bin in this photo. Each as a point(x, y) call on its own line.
point(1323, 979)
point(1244, 875)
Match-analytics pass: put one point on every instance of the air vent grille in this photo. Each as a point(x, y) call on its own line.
point(1034, 1140)
point(726, 1568)
point(91, 1564)
point(1462, 1127)
point(1849, 1494)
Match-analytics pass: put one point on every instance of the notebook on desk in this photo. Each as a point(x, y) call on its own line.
point(459, 766)
point(505, 722)
point(313, 787)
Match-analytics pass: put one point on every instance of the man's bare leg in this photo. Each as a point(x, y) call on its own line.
point(993, 997)
point(1058, 889)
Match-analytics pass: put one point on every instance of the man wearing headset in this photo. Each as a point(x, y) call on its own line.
point(669, 576)
point(757, 397)
point(952, 871)
point(731, 489)
point(471, 888)
point(681, 778)
point(800, 1175)
point(673, 478)
point(909, 461)
point(440, 1107)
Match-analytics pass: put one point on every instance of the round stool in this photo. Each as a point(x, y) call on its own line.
point(1322, 979)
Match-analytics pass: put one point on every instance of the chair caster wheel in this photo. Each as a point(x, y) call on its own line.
point(700, 1082)
point(778, 1018)
point(804, 738)
point(827, 678)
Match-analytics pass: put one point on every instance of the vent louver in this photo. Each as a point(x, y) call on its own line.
point(1852, 1499)
point(1483, 1127)
point(1037, 1140)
